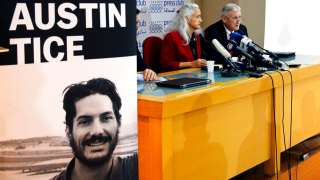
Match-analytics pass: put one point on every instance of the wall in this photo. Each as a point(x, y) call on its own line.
point(211, 11)
point(253, 12)
point(198, 2)
point(291, 26)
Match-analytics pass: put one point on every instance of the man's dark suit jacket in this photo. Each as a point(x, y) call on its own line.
point(217, 31)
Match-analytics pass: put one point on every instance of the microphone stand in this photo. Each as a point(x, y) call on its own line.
point(249, 66)
point(205, 55)
point(231, 69)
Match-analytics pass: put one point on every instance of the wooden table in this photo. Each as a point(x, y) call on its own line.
point(222, 130)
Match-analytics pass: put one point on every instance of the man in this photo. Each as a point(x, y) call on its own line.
point(92, 127)
point(142, 67)
point(221, 30)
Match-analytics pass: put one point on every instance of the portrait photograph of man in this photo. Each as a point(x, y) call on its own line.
point(92, 127)
point(62, 125)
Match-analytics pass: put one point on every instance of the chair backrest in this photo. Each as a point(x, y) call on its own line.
point(152, 53)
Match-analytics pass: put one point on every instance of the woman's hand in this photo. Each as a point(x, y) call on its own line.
point(198, 63)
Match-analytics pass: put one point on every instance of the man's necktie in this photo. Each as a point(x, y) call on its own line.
point(231, 52)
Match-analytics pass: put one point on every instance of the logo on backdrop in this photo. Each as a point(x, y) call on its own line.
point(143, 10)
point(156, 8)
point(143, 23)
point(166, 25)
point(141, 31)
point(141, 3)
point(168, 6)
point(156, 28)
point(180, 3)
point(169, 3)
point(140, 45)
point(161, 14)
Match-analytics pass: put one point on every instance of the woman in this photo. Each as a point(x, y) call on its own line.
point(181, 46)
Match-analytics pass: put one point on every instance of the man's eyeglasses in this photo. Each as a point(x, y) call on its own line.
point(235, 20)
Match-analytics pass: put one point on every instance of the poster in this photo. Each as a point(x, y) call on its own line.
point(53, 45)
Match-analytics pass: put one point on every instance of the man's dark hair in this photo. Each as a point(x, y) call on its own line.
point(75, 92)
point(138, 11)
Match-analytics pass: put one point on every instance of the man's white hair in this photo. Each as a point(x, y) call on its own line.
point(229, 7)
point(179, 22)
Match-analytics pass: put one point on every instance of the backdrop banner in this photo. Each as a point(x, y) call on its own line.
point(155, 18)
point(68, 89)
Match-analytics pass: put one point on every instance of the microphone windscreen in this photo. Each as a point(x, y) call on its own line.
point(201, 36)
point(234, 35)
point(238, 39)
point(231, 45)
point(220, 48)
point(259, 60)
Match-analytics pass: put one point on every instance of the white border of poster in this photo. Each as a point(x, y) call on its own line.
point(43, 62)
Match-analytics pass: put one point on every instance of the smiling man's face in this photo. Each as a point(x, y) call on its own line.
point(95, 130)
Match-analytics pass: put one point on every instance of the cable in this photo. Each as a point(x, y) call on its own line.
point(283, 61)
point(275, 129)
point(284, 134)
point(290, 113)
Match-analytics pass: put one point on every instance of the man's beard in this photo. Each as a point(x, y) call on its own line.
point(97, 161)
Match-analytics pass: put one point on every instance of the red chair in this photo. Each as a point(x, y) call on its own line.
point(152, 53)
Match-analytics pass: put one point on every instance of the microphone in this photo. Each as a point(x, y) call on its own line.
point(234, 35)
point(224, 53)
point(267, 52)
point(262, 62)
point(232, 46)
point(205, 40)
point(245, 43)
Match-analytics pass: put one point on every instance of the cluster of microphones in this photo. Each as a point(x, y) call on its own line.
point(247, 48)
